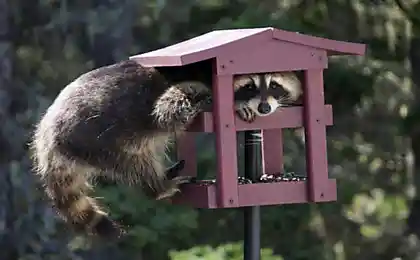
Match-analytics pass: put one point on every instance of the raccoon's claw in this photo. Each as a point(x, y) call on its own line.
point(174, 170)
point(108, 229)
point(246, 114)
point(168, 193)
point(174, 187)
point(183, 180)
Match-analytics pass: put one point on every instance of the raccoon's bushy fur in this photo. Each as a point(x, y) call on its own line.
point(114, 121)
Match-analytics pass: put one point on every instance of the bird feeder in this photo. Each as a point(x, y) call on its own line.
point(256, 50)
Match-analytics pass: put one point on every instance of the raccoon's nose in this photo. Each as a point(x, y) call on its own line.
point(264, 108)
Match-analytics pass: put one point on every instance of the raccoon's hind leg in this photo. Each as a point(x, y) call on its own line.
point(170, 184)
point(144, 163)
point(170, 173)
point(161, 186)
point(68, 189)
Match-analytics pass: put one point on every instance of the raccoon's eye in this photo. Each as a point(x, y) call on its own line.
point(275, 85)
point(249, 86)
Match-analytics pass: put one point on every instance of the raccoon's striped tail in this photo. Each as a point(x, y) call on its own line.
point(68, 193)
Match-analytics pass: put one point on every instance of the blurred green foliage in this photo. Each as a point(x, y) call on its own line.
point(49, 42)
point(227, 251)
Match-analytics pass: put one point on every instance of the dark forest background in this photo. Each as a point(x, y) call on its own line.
point(373, 147)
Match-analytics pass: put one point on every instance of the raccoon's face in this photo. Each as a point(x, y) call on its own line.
point(264, 93)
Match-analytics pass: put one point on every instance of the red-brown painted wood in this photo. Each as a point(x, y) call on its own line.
point(288, 117)
point(226, 152)
point(198, 196)
point(332, 47)
point(281, 193)
point(186, 150)
point(273, 53)
point(238, 42)
point(315, 135)
point(272, 147)
point(264, 194)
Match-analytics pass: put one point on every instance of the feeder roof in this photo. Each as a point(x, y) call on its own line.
point(211, 45)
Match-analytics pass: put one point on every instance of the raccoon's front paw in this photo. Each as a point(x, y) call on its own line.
point(207, 104)
point(246, 114)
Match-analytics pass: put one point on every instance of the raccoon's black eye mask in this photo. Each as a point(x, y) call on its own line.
point(277, 91)
point(246, 92)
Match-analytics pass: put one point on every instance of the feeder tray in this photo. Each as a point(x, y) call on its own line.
point(265, 178)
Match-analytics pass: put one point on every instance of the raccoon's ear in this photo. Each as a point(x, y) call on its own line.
point(185, 87)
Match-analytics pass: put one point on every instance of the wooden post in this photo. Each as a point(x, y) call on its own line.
point(226, 150)
point(315, 134)
point(272, 155)
point(186, 146)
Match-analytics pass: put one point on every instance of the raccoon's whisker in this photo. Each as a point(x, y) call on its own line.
point(285, 96)
point(103, 132)
point(283, 99)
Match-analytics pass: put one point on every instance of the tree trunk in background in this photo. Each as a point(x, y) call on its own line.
point(7, 245)
point(413, 222)
point(413, 126)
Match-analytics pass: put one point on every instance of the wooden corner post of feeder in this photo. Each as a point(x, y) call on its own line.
point(257, 50)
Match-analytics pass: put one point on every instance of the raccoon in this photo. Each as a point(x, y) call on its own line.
point(261, 94)
point(116, 122)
